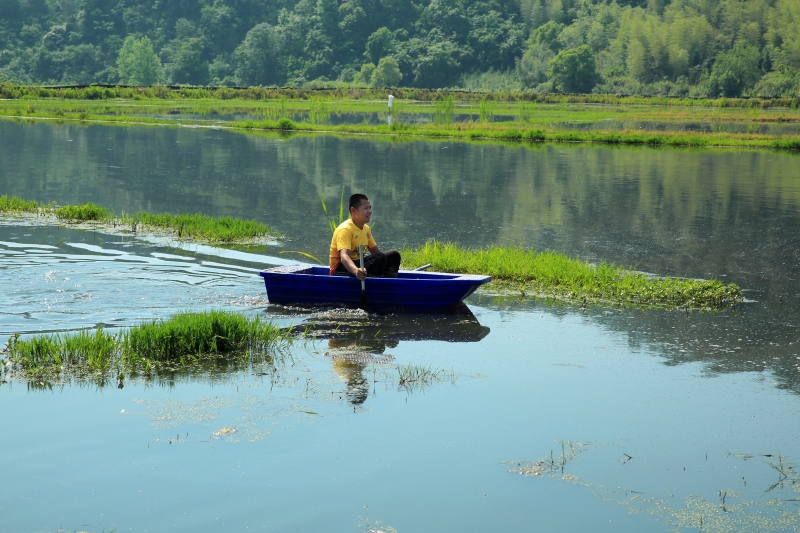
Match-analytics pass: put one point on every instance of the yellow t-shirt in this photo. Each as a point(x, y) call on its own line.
point(348, 237)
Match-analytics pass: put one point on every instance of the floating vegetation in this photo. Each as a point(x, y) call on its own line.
point(179, 341)
point(198, 227)
point(728, 513)
point(413, 377)
point(551, 274)
point(550, 466)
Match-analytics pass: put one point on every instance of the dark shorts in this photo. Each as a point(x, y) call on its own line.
point(378, 265)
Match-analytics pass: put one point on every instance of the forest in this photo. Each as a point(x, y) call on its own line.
point(687, 48)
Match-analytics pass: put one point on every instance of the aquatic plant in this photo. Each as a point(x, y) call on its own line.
point(443, 109)
point(203, 227)
point(332, 221)
point(486, 110)
point(226, 230)
point(14, 204)
point(83, 213)
point(181, 339)
point(557, 275)
point(195, 334)
point(413, 378)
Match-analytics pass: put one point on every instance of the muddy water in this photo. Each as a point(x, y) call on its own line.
point(624, 420)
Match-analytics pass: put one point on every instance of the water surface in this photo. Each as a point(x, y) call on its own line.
point(660, 410)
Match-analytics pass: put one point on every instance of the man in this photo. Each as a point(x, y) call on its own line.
point(355, 232)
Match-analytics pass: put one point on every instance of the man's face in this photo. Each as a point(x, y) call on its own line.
point(362, 213)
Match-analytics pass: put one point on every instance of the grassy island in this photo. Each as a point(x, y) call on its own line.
point(196, 227)
point(551, 274)
point(181, 340)
point(522, 117)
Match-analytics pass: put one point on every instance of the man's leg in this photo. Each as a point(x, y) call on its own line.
point(375, 264)
point(383, 264)
point(392, 264)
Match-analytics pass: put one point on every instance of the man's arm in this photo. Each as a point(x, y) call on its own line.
point(374, 249)
point(344, 256)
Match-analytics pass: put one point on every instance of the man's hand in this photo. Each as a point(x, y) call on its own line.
point(350, 266)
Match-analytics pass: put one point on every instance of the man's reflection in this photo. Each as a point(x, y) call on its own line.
point(350, 358)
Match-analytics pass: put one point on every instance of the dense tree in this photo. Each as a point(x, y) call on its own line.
point(682, 47)
point(386, 74)
point(138, 64)
point(574, 70)
point(735, 70)
point(258, 60)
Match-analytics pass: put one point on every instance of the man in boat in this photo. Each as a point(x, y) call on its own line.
point(355, 232)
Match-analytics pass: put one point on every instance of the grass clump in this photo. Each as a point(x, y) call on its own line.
point(552, 274)
point(178, 341)
point(195, 334)
point(224, 230)
point(14, 204)
point(204, 227)
point(83, 213)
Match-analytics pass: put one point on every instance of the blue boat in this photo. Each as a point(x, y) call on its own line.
point(411, 290)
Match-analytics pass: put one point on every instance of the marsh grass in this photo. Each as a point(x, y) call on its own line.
point(551, 274)
point(83, 213)
point(486, 110)
point(443, 109)
point(14, 204)
point(549, 112)
point(204, 227)
point(181, 340)
point(225, 230)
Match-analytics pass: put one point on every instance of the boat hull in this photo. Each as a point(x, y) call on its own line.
point(410, 291)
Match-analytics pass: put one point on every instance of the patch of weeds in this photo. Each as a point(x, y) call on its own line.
point(416, 377)
point(180, 341)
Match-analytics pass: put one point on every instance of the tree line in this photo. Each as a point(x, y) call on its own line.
point(658, 47)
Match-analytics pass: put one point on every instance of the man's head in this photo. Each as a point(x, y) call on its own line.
point(360, 209)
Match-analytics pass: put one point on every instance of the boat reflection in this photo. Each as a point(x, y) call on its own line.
point(357, 340)
point(459, 325)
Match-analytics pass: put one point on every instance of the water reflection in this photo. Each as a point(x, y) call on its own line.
point(729, 214)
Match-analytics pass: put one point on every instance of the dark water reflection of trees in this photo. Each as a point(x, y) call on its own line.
point(699, 213)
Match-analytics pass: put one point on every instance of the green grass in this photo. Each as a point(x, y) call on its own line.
point(552, 274)
point(83, 213)
point(183, 339)
point(13, 91)
point(14, 204)
point(224, 230)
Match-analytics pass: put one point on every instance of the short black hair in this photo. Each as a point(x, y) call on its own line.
point(356, 199)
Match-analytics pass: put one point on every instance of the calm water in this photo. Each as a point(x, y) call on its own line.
point(660, 411)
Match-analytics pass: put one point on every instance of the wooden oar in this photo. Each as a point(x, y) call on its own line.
point(364, 300)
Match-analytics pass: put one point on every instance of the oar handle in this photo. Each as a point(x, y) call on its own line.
point(361, 264)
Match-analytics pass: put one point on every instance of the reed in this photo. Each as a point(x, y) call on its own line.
point(552, 274)
point(183, 339)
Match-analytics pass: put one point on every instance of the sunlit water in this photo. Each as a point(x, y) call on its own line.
point(660, 411)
